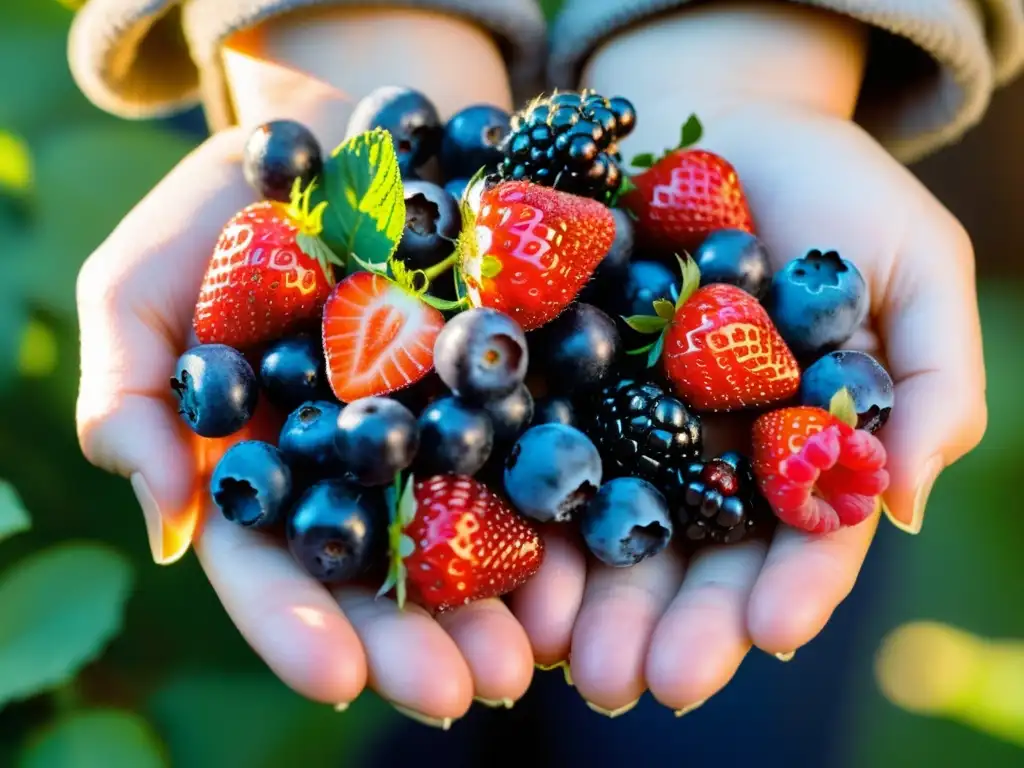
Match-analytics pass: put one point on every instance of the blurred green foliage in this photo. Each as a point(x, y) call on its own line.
point(108, 661)
point(74, 691)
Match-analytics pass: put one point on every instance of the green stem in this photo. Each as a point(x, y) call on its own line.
point(441, 267)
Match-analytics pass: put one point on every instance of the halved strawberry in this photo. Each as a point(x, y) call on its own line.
point(816, 470)
point(378, 336)
point(453, 541)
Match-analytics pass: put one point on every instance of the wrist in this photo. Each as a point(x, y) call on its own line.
point(729, 55)
point(315, 65)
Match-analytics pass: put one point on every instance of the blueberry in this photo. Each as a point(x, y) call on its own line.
point(292, 372)
point(612, 272)
point(308, 436)
point(472, 140)
point(276, 154)
point(408, 116)
point(644, 282)
point(579, 348)
point(626, 522)
point(337, 530)
point(455, 438)
point(216, 390)
point(735, 257)
point(869, 384)
point(251, 484)
point(376, 438)
point(432, 223)
point(552, 471)
point(510, 414)
point(481, 354)
point(817, 302)
point(555, 410)
point(456, 188)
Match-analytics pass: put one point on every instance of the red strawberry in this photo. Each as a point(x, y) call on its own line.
point(378, 336)
point(528, 250)
point(816, 470)
point(269, 275)
point(718, 348)
point(453, 541)
point(686, 195)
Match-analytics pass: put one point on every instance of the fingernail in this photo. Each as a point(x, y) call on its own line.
point(689, 709)
point(787, 656)
point(341, 707)
point(151, 514)
point(444, 723)
point(565, 669)
point(613, 712)
point(929, 475)
point(495, 703)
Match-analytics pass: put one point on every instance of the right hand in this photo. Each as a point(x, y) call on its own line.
point(136, 296)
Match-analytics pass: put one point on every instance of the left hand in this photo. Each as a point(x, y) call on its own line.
point(814, 180)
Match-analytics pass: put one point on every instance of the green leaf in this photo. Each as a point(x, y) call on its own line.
point(102, 738)
point(655, 353)
point(643, 160)
point(216, 719)
point(843, 408)
point(691, 278)
point(14, 517)
point(642, 350)
point(15, 165)
point(444, 305)
point(365, 203)
point(407, 503)
point(690, 133)
point(645, 323)
point(665, 309)
point(60, 608)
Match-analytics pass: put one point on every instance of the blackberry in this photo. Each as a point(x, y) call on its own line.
point(569, 141)
point(642, 431)
point(716, 501)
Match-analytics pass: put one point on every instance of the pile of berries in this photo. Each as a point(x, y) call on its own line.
point(401, 302)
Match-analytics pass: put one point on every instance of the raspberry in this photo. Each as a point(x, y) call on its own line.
point(568, 141)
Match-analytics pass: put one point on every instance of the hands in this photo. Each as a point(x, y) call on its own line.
point(681, 629)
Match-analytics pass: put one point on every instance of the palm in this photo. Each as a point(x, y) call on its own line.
point(812, 183)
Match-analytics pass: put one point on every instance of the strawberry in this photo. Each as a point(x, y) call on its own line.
point(685, 195)
point(527, 250)
point(269, 274)
point(453, 541)
point(718, 348)
point(378, 336)
point(817, 471)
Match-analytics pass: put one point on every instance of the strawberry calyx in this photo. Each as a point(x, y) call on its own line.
point(310, 225)
point(664, 312)
point(402, 509)
point(468, 259)
point(689, 134)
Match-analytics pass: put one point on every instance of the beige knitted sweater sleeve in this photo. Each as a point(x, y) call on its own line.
point(935, 63)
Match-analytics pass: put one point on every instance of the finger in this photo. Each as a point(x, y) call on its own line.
point(412, 661)
point(547, 605)
point(621, 607)
point(495, 647)
point(135, 299)
point(803, 579)
point(702, 638)
point(292, 622)
point(933, 340)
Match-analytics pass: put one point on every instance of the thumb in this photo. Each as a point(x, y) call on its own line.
point(933, 341)
point(135, 299)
